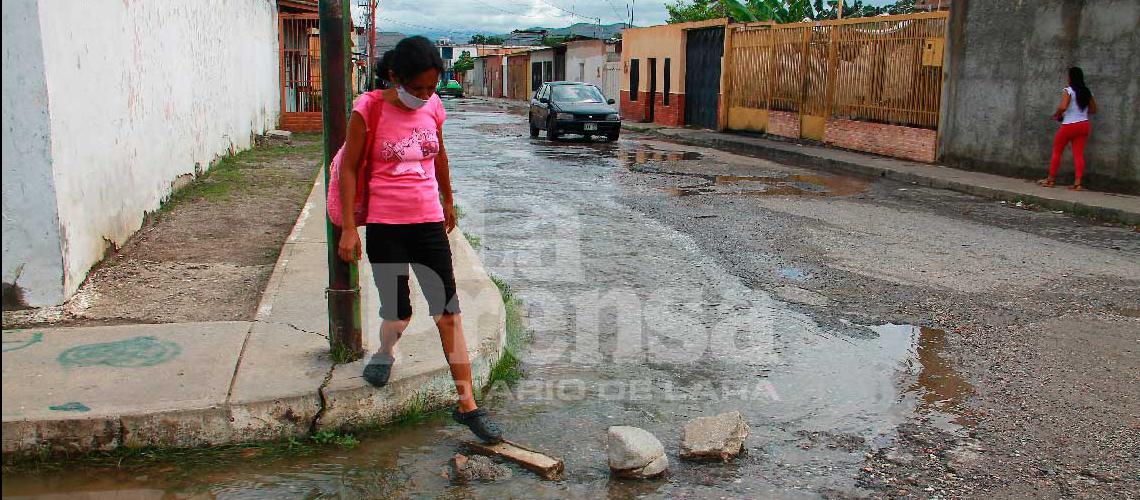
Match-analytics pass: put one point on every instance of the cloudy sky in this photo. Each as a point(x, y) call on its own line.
point(465, 17)
point(462, 18)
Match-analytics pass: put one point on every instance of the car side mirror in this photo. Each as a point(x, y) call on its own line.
point(610, 101)
point(544, 100)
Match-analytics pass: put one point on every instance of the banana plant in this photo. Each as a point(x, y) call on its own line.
point(780, 11)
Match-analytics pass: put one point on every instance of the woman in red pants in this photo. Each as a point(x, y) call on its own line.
point(1077, 104)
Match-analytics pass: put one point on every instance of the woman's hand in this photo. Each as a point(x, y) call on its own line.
point(349, 246)
point(449, 218)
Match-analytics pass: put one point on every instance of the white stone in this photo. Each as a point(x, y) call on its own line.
point(635, 452)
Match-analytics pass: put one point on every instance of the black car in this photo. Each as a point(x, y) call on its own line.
point(573, 108)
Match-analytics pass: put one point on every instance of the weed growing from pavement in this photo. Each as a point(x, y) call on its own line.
point(508, 369)
point(473, 239)
point(341, 354)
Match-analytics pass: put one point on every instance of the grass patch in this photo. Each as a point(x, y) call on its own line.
point(183, 461)
point(509, 367)
point(228, 173)
point(474, 239)
point(341, 354)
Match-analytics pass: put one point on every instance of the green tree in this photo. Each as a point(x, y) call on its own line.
point(464, 63)
point(486, 40)
point(683, 11)
point(780, 11)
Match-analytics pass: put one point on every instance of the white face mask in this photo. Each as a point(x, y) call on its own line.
point(408, 99)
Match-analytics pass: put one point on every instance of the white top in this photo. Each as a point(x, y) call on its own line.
point(1074, 113)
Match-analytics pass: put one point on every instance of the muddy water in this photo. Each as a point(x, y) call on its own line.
point(633, 325)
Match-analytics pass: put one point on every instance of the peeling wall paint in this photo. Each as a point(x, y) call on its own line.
point(33, 258)
point(139, 93)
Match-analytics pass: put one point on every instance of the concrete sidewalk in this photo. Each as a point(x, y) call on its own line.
point(1115, 207)
point(191, 384)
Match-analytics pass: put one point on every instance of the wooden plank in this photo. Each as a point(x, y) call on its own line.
point(544, 465)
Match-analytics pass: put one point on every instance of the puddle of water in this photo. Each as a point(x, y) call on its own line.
point(642, 156)
point(792, 185)
point(939, 391)
point(939, 385)
point(794, 273)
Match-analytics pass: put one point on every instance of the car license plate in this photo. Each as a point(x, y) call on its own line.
point(590, 126)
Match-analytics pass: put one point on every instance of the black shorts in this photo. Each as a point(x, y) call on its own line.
point(392, 247)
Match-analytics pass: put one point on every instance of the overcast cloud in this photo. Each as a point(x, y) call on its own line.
point(462, 18)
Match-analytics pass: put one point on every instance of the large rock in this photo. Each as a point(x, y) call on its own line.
point(477, 468)
point(716, 438)
point(635, 453)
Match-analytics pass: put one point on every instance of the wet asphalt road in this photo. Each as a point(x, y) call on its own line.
point(663, 282)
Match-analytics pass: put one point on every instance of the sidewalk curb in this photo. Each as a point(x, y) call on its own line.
point(350, 404)
point(787, 155)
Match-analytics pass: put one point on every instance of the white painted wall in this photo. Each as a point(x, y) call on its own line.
point(584, 62)
point(138, 94)
point(33, 258)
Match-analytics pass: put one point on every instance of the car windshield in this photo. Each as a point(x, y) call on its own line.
point(577, 93)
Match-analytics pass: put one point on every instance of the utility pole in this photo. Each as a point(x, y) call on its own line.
point(371, 44)
point(343, 293)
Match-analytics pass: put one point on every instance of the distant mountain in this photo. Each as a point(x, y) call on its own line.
point(604, 31)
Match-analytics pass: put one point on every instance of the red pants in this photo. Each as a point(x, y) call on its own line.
point(1077, 133)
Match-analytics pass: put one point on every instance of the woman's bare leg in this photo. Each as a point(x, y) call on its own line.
point(455, 348)
point(390, 332)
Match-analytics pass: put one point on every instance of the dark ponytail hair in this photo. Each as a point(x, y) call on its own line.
point(1077, 82)
point(411, 56)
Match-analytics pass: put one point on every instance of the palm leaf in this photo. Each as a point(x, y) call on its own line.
point(738, 11)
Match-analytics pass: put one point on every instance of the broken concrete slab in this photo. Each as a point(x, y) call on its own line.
point(714, 438)
point(544, 465)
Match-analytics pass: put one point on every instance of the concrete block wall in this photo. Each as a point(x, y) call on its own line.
point(1007, 62)
point(111, 103)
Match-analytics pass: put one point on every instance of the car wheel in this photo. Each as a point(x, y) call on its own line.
point(611, 137)
point(551, 131)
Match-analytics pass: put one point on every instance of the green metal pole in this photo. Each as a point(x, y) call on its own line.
point(345, 333)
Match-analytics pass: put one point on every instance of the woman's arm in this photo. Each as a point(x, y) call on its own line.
point(443, 178)
point(1092, 105)
point(1063, 106)
point(349, 247)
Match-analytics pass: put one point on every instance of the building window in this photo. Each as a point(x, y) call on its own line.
point(667, 76)
point(535, 75)
point(634, 78)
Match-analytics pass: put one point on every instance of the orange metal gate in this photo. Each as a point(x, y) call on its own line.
point(300, 43)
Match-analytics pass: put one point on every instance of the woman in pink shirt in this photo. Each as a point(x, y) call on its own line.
point(407, 223)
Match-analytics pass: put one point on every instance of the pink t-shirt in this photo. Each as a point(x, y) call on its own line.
point(403, 189)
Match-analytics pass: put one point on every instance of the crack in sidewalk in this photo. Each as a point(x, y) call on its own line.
point(324, 400)
point(295, 327)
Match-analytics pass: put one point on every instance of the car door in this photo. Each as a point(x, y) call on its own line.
point(543, 108)
point(535, 114)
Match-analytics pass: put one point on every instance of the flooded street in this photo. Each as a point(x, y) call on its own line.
point(841, 316)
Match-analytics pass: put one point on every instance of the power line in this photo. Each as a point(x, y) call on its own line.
point(552, 4)
point(429, 28)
